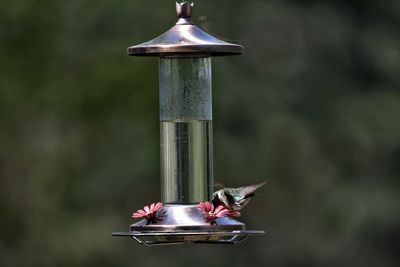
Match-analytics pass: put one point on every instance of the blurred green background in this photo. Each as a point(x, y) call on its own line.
point(313, 106)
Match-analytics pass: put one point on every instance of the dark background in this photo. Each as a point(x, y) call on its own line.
point(313, 106)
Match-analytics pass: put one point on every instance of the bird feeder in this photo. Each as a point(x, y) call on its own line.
point(185, 53)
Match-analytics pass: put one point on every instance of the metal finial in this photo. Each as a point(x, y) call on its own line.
point(184, 9)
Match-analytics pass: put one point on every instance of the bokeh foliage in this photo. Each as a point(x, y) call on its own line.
point(313, 106)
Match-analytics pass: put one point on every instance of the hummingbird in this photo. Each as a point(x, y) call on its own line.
point(235, 198)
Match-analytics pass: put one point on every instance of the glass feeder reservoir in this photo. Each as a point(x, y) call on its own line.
point(185, 53)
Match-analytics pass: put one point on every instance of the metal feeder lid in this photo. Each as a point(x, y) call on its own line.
point(185, 39)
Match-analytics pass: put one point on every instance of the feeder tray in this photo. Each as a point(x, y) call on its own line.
point(186, 224)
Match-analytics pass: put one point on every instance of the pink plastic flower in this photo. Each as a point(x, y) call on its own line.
point(211, 213)
point(148, 212)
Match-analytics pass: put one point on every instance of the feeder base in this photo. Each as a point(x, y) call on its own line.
point(186, 224)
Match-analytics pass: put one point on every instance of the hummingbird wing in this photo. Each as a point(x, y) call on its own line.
point(236, 198)
point(248, 191)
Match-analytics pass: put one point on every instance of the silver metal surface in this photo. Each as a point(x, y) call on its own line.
point(177, 224)
point(175, 218)
point(185, 39)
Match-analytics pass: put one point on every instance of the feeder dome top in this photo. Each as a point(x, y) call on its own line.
point(185, 39)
